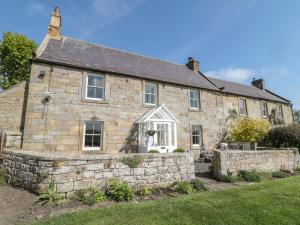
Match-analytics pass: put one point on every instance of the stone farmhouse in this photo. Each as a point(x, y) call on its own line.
point(83, 97)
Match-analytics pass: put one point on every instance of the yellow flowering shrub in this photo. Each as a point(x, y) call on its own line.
point(249, 130)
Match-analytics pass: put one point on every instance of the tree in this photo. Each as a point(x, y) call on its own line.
point(273, 118)
point(297, 116)
point(249, 130)
point(16, 51)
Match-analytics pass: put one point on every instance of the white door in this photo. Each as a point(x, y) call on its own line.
point(162, 137)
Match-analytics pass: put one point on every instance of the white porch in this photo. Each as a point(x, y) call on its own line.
point(157, 130)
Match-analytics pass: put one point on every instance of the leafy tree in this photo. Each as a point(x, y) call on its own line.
point(248, 130)
point(16, 51)
point(297, 116)
point(273, 118)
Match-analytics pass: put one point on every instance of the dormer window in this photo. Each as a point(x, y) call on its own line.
point(95, 87)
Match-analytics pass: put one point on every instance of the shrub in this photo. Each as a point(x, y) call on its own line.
point(153, 151)
point(90, 196)
point(2, 177)
point(119, 191)
point(147, 191)
point(132, 162)
point(179, 150)
point(251, 176)
point(50, 197)
point(248, 130)
point(280, 174)
point(284, 136)
point(183, 187)
point(198, 185)
point(227, 178)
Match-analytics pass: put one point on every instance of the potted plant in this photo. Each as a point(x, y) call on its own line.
point(150, 132)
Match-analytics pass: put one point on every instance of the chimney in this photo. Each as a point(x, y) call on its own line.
point(193, 65)
point(259, 83)
point(54, 29)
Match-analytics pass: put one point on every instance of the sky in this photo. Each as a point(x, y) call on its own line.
point(236, 40)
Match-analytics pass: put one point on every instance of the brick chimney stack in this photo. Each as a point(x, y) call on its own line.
point(259, 83)
point(193, 65)
point(54, 29)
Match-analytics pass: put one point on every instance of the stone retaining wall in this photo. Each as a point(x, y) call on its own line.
point(232, 161)
point(34, 171)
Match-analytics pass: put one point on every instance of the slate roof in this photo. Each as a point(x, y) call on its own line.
point(245, 90)
point(76, 53)
point(73, 52)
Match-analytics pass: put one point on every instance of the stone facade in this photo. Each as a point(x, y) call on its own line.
point(13, 107)
point(34, 171)
point(58, 124)
point(232, 161)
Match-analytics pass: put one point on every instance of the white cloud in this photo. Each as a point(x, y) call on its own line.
point(36, 8)
point(232, 73)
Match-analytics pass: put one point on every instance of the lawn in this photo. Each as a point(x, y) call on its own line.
point(272, 202)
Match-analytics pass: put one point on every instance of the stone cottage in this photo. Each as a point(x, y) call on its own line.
point(83, 97)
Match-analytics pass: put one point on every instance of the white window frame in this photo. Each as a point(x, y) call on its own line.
point(262, 109)
point(154, 94)
point(242, 114)
point(84, 135)
point(87, 86)
point(197, 99)
point(200, 136)
point(279, 111)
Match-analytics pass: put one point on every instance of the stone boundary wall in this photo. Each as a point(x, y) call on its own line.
point(232, 161)
point(34, 171)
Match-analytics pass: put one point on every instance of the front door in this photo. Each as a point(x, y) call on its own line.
point(162, 137)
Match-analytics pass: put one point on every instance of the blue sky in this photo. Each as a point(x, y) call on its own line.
point(233, 39)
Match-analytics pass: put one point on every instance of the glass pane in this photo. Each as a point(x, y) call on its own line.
point(90, 92)
point(149, 99)
point(96, 141)
point(194, 103)
point(88, 141)
point(99, 82)
point(91, 80)
point(97, 128)
point(99, 93)
point(89, 128)
point(196, 140)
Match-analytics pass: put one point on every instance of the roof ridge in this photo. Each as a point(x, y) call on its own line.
point(210, 77)
point(127, 52)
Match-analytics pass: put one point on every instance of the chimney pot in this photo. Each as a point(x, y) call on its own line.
point(193, 64)
point(54, 29)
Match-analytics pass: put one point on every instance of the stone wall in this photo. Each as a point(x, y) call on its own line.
point(232, 161)
point(34, 171)
point(12, 107)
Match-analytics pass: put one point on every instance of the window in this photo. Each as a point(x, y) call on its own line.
point(197, 135)
point(150, 93)
point(194, 99)
point(95, 87)
point(243, 107)
point(279, 112)
point(93, 135)
point(264, 109)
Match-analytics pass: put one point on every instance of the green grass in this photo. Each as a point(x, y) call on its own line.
point(272, 202)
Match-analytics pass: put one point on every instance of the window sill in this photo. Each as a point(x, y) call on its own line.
point(94, 101)
point(149, 105)
point(194, 110)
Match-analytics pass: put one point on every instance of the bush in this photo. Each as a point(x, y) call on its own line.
point(182, 187)
point(284, 136)
point(2, 178)
point(248, 130)
point(227, 178)
point(90, 196)
point(153, 151)
point(119, 191)
point(198, 185)
point(179, 150)
point(280, 174)
point(146, 191)
point(251, 176)
point(132, 162)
